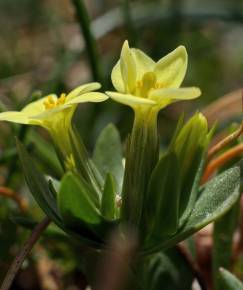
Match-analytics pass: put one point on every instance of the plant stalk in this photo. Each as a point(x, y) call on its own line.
point(19, 259)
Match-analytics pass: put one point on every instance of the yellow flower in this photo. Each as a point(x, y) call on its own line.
point(55, 113)
point(140, 82)
point(45, 111)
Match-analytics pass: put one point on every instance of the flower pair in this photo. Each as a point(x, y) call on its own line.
point(140, 83)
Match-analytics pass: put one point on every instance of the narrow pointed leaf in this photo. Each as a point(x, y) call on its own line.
point(84, 165)
point(38, 185)
point(192, 184)
point(108, 202)
point(190, 146)
point(45, 154)
point(229, 281)
point(223, 233)
point(216, 198)
point(163, 204)
point(168, 269)
point(41, 192)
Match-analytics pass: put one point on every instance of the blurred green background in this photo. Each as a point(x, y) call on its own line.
point(43, 50)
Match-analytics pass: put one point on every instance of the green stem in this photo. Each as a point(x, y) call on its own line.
point(84, 22)
point(142, 155)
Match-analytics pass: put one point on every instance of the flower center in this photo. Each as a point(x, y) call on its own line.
point(147, 83)
point(50, 102)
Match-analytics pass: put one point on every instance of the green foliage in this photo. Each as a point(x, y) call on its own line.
point(85, 166)
point(108, 156)
point(77, 209)
point(214, 200)
point(45, 155)
point(84, 205)
point(167, 268)
point(174, 182)
point(38, 185)
point(165, 179)
point(41, 192)
point(224, 229)
point(229, 281)
point(190, 146)
point(108, 202)
point(75, 201)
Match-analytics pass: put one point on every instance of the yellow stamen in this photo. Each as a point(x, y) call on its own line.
point(159, 86)
point(147, 83)
point(51, 103)
point(62, 99)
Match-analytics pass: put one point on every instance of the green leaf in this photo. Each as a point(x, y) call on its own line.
point(229, 281)
point(190, 146)
point(84, 165)
point(191, 185)
point(74, 201)
point(44, 152)
point(108, 202)
point(78, 211)
point(38, 185)
point(29, 223)
point(224, 229)
point(161, 212)
point(216, 198)
point(168, 271)
point(178, 128)
point(45, 198)
point(107, 154)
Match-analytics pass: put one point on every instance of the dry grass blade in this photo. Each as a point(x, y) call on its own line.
point(228, 106)
point(223, 143)
point(217, 162)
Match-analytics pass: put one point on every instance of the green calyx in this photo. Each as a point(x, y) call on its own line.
point(141, 157)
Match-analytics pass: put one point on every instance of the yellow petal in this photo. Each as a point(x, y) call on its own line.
point(170, 70)
point(117, 79)
point(83, 89)
point(15, 117)
point(164, 97)
point(37, 107)
point(128, 68)
point(143, 63)
point(130, 100)
point(47, 114)
point(88, 97)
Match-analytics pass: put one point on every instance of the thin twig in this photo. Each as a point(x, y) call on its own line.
point(193, 265)
point(9, 193)
point(226, 141)
point(19, 259)
point(221, 160)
